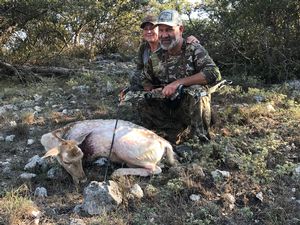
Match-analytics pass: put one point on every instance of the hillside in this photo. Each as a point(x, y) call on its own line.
point(248, 174)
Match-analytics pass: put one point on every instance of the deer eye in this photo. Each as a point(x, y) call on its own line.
point(67, 163)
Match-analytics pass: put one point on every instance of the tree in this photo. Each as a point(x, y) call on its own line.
point(33, 30)
point(254, 38)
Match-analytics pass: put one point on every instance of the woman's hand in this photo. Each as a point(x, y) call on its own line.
point(192, 39)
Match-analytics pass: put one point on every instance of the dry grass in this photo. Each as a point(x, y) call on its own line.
point(16, 208)
point(259, 147)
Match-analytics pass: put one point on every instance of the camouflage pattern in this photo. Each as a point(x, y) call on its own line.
point(182, 115)
point(159, 68)
point(135, 79)
point(133, 96)
point(194, 59)
point(147, 65)
point(169, 18)
point(181, 120)
point(189, 116)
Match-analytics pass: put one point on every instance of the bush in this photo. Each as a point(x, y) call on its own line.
point(252, 39)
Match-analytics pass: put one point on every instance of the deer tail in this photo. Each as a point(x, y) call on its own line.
point(170, 154)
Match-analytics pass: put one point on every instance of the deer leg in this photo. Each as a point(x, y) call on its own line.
point(144, 172)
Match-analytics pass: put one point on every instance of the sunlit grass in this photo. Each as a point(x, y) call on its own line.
point(16, 207)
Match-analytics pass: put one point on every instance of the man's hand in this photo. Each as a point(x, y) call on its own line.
point(122, 94)
point(170, 89)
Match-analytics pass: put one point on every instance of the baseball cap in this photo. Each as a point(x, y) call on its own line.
point(149, 19)
point(170, 18)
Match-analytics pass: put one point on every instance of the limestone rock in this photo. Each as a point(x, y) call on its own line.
point(137, 191)
point(100, 197)
point(40, 192)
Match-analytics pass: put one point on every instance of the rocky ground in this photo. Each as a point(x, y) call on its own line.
point(248, 174)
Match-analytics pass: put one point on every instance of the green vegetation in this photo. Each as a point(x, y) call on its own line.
point(255, 135)
point(250, 41)
point(256, 139)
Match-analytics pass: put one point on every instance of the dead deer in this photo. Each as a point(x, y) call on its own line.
point(138, 147)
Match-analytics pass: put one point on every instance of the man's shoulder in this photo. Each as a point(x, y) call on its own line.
point(195, 49)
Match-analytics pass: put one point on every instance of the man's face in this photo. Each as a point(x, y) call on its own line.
point(150, 33)
point(169, 36)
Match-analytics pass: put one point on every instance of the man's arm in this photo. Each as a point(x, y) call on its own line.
point(171, 88)
point(138, 78)
point(204, 63)
point(208, 71)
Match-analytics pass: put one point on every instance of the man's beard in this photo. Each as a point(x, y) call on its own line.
point(174, 42)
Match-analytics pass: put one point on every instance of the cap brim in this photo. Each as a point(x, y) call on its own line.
point(144, 24)
point(167, 23)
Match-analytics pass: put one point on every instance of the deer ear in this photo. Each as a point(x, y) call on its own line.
point(81, 138)
point(51, 152)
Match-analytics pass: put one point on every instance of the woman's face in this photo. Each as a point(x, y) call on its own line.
point(150, 33)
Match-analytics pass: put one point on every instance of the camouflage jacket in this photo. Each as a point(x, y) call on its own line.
point(146, 67)
point(193, 59)
point(160, 68)
point(196, 91)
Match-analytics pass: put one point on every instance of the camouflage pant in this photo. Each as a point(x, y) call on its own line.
point(180, 119)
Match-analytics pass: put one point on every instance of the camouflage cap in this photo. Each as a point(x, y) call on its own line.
point(170, 18)
point(149, 19)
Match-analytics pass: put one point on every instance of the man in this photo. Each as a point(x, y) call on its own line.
point(147, 60)
point(180, 64)
point(203, 72)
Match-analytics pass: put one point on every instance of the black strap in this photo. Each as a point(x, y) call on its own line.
point(110, 150)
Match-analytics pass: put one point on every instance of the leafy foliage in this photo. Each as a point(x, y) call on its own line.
point(249, 40)
point(253, 38)
point(54, 27)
